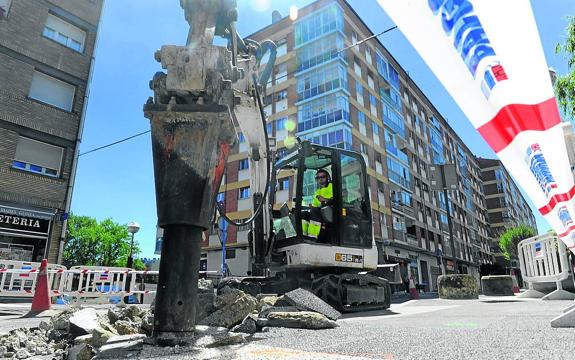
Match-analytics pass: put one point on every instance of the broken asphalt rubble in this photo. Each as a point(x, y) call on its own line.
point(227, 318)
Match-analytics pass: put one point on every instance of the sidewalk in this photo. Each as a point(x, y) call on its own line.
point(400, 297)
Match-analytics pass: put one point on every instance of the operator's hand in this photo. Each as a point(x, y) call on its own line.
point(322, 199)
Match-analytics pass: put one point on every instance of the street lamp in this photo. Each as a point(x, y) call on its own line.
point(133, 228)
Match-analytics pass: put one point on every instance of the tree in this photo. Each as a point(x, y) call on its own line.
point(565, 84)
point(509, 240)
point(105, 243)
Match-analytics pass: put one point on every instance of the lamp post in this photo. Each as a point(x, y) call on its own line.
point(133, 228)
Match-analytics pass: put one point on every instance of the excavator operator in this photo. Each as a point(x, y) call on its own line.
point(312, 220)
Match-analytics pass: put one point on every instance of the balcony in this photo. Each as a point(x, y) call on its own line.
point(404, 208)
point(399, 235)
point(412, 240)
point(397, 153)
point(398, 179)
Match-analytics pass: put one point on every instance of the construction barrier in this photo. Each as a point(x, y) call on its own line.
point(544, 259)
point(77, 284)
point(18, 278)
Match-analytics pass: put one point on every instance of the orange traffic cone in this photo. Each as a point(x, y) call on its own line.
point(413, 293)
point(41, 300)
point(515, 284)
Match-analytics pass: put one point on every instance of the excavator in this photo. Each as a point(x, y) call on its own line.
point(207, 96)
point(334, 263)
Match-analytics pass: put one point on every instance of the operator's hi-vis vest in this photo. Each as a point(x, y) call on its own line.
point(312, 228)
point(326, 192)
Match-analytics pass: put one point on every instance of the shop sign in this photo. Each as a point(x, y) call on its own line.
point(19, 221)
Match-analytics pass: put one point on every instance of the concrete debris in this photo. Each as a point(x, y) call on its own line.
point(252, 287)
point(45, 325)
point(227, 296)
point(100, 336)
point(248, 325)
point(118, 350)
point(266, 310)
point(232, 314)
point(268, 300)
point(230, 339)
point(124, 338)
point(83, 322)
point(302, 320)
point(283, 301)
point(61, 321)
point(81, 352)
point(84, 339)
point(82, 334)
point(147, 325)
point(204, 305)
point(306, 300)
point(22, 354)
point(132, 313)
point(126, 327)
point(108, 327)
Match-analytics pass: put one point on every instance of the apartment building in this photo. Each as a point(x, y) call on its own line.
point(506, 206)
point(361, 99)
point(46, 57)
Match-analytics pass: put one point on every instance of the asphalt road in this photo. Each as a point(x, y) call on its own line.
point(488, 328)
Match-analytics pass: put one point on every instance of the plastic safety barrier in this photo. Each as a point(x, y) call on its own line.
point(18, 278)
point(544, 259)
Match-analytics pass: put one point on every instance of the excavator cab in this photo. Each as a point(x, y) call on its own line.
point(342, 219)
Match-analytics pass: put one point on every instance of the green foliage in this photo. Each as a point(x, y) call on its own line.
point(105, 243)
point(565, 84)
point(509, 240)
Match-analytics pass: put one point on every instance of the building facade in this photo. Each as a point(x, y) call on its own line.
point(331, 90)
point(46, 57)
point(506, 206)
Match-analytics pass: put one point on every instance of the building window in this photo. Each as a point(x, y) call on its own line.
point(281, 48)
point(323, 111)
point(359, 92)
point(281, 101)
point(382, 65)
point(373, 104)
point(353, 38)
point(357, 68)
point(368, 54)
point(283, 184)
point(244, 164)
point(370, 82)
point(230, 253)
point(281, 124)
point(281, 74)
point(338, 136)
point(221, 197)
point(244, 192)
point(4, 7)
point(320, 51)
point(361, 120)
point(38, 157)
point(64, 33)
point(52, 91)
point(319, 23)
point(375, 130)
point(241, 137)
point(321, 81)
